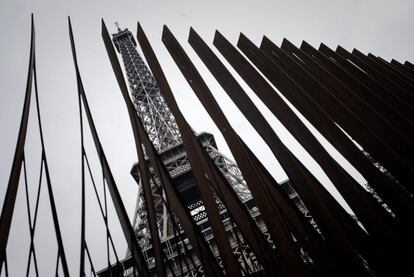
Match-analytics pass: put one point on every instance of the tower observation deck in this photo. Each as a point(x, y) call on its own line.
point(162, 130)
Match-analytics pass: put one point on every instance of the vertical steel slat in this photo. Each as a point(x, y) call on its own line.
point(366, 127)
point(402, 68)
point(369, 97)
point(409, 65)
point(361, 132)
point(13, 184)
point(204, 254)
point(321, 205)
point(284, 83)
point(388, 67)
point(378, 67)
point(249, 169)
point(236, 93)
point(399, 201)
point(327, 128)
point(12, 187)
point(388, 95)
point(197, 240)
point(383, 80)
point(116, 197)
point(149, 203)
point(332, 113)
point(203, 175)
point(401, 228)
point(398, 67)
point(83, 227)
point(367, 209)
point(378, 122)
point(339, 136)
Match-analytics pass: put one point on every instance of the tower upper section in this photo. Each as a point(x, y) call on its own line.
point(149, 103)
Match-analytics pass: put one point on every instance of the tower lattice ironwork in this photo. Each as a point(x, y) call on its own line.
point(164, 134)
point(149, 103)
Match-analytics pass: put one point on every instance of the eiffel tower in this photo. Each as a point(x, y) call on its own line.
point(162, 130)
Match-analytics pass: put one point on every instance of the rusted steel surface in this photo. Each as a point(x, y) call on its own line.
point(203, 174)
point(18, 161)
point(399, 202)
point(82, 237)
point(369, 97)
point(409, 65)
point(388, 95)
point(116, 198)
point(362, 202)
point(262, 187)
point(308, 187)
point(402, 68)
point(381, 124)
point(149, 201)
point(382, 226)
point(385, 80)
point(203, 251)
point(320, 118)
point(13, 184)
point(387, 69)
point(371, 137)
point(273, 215)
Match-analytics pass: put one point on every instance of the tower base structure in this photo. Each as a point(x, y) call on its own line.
point(177, 250)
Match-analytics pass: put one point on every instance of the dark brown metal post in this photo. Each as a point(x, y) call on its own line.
point(204, 178)
point(402, 68)
point(116, 197)
point(363, 204)
point(149, 203)
point(381, 78)
point(369, 97)
point(388, 95)
point(248, 166)
point(308, 187)
point(398, 200)
point(353, 117)
point(380, 69)
point(399, 170)
point(272, 214)
point(13, 184)
point(388, 68)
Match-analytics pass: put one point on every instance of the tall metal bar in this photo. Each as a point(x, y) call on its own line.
point(369, 96)
point(371, 136)
point(280, 234)
point(399, 201)
point(116, 197)
point(266, 193)
point(386, 69)
point(10, 198)
point(388, 95)
point(149, 202)
point(398, 168)
point(308, 187)
point(13, 184)
point(194, 153)
point(384, 80)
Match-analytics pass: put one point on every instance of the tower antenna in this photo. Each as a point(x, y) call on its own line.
point(117, 25)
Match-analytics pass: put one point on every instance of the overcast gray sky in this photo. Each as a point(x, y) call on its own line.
point(381, 27)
